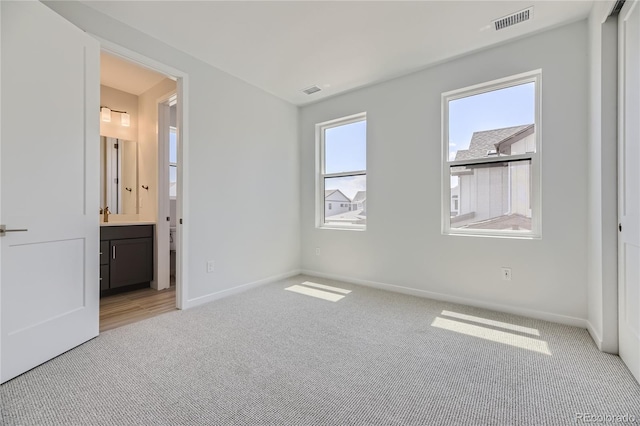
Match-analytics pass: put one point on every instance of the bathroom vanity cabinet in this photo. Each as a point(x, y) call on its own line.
point(126, 258)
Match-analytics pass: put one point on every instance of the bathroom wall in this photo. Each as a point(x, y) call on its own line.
point(148, 147)
point(120, 101)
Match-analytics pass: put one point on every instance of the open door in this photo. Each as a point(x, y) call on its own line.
point(629, 186)
point(49, 288)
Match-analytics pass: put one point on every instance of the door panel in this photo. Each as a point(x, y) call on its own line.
point(61, 259)
point(49, 167)
point(629, 186)
point(632, 294)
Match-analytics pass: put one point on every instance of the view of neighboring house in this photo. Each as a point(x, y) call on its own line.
point(360, 202)
point(455, 200)
point(495, 195)
point(338, 208)
point(335, 202)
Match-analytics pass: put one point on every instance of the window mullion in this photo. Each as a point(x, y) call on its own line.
point(345, 174)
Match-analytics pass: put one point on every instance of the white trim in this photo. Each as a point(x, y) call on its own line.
point(182, 193)
point(535, 77)
point(182, 206)
point(161, 251)
point(509, 309)
point(345, 174)
point(496, 159)
point(191, 303)
point(597, 339)
point(490, 86)
point(1, 218)
point(320, 168)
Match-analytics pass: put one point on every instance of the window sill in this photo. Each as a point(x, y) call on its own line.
point(342, 228)
point(504, 235)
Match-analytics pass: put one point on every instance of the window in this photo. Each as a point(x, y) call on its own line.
point(342, 173)
point(173, 161)
point(491, 154)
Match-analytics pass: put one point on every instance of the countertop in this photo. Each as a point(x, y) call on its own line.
point(127, 223)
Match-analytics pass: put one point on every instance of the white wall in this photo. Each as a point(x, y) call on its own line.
point(243, 149)
point(602, 202)
point(148, 147)
point(403, 162)
point(148, 166)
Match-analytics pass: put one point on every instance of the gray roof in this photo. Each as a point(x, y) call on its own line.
point(360, 197)
point(488, 140)
point(329, 192)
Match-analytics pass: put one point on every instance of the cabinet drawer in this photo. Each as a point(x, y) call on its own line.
point(104, 277)
point(104, 252)
point(126, 231)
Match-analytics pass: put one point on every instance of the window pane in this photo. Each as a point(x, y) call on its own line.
point(496, 123)
point(173, 146)
point(345, 200)
point(346, 148)
point(491, 196)
point(173, 178)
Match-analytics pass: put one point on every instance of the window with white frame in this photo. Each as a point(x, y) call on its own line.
point(491, 155)
point(342, 173)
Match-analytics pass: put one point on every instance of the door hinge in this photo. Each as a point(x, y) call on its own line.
point(180, 221)
point(115, 146)
point(620, 227)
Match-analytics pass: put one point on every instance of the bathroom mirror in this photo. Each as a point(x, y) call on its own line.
point(119, 175)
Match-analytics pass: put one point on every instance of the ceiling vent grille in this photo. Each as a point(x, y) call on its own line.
point(514, 18)
point(311, 90)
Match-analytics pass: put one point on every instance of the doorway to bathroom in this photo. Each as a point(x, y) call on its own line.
point(154, 123)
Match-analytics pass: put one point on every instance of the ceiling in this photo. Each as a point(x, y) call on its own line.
point(284, 47)
point(125, 76)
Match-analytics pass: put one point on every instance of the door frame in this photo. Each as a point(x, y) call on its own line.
point(163, 256)
point(182, 193)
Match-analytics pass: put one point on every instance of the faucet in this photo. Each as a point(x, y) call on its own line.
point(106, 214)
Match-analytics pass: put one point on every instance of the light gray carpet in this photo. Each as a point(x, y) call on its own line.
point(270, 356)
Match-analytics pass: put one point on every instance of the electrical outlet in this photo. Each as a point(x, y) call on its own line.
point(506, 274)
point(210, 266)
point(317, 251)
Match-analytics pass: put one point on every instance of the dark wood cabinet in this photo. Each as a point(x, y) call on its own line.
point(126, 258)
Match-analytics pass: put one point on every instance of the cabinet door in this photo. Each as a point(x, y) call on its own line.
point(131, 261)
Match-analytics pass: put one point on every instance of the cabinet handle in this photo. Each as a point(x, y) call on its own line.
point(114, 252)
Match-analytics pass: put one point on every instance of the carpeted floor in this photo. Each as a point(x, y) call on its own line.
point(270, 356)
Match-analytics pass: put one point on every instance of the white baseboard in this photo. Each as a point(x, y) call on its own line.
point(525, 312)
point(594, 334)
point(238, 289)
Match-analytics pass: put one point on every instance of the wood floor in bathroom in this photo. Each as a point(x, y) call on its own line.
point(126, 308)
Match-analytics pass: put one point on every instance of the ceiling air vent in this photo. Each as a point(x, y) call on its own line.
point(514, 18)
point(311, 90)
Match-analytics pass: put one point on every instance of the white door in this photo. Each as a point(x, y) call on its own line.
point(49, 168)
point(629, 186)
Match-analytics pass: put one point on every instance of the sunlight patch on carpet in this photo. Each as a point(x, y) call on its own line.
point(326, 287)
point(493, 323)
point(497, 336)
point(313, 292)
